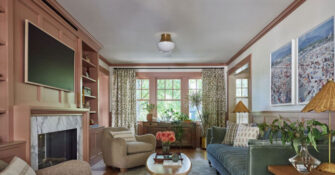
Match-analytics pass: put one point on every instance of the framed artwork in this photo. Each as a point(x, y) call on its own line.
point(315, 60)
point(281, 75)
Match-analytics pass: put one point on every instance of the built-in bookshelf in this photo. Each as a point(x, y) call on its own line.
point(89, 79)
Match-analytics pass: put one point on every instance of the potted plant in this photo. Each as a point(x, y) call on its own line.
point(166, 137)
point(182, 117)
point(169, 114)
point(299, 134)
point(196, 100)
point(150, 108)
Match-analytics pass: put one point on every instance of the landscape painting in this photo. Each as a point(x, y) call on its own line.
point(315, 60)
point(281, 75)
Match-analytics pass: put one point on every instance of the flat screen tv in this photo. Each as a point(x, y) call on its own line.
point(48, 62)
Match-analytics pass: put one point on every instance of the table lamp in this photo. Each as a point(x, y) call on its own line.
point(240, 107)
point(323, 101)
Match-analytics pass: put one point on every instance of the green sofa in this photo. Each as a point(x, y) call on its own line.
point(229, 160)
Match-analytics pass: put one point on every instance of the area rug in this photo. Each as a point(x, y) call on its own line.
point(199, 167)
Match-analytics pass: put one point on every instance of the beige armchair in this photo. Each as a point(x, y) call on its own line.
point(121, 154)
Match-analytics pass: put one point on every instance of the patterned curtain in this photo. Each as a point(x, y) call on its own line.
point(124, 98)
point(214, 95)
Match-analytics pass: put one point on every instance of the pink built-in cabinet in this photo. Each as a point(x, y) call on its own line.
point(19, 100)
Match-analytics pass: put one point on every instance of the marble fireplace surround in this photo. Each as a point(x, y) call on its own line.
point(41, 124)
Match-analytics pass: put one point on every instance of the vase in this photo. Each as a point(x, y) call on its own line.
point(149, 117)
point(304, 162)
point(203, 142)
point(166, 148)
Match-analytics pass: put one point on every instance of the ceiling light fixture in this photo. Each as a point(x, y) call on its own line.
point(166, 45)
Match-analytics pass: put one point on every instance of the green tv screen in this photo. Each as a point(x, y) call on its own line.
point(49, 62)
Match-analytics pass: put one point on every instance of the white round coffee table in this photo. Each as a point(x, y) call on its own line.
point(159, 169)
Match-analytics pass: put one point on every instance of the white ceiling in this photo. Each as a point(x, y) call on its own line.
point(205, 31)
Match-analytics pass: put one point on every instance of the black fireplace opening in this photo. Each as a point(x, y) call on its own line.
point(56, 147)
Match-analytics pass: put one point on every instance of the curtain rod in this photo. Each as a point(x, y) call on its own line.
point(169, 68)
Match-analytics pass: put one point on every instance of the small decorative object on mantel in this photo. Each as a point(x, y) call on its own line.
point(321, 102)
point(166, 137)
point(150, 108)
point(299, 134)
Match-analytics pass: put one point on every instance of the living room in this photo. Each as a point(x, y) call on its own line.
point(230, 87)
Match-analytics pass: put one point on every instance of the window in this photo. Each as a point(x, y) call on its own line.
point(194, 86)
point(168, 96)
point(142, 98)
point(242, 95)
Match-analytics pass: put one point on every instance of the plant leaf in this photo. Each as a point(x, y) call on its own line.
point(296, 144)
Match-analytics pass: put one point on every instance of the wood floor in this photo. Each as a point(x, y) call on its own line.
point(195, 154)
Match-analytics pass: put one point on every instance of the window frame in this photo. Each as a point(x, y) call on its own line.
point(243, 115)
point(141, 89)
point(184, 83)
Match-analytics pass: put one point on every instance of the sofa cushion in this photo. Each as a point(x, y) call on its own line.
point(234, 159)
point(218, 134)
point(138, 147)
point(18, 166)
point(127, 135)
point(230, 133)
point(244, 134)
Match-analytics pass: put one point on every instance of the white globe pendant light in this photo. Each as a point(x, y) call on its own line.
point(166, 45)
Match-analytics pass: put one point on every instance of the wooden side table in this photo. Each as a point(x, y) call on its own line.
point(289, 169)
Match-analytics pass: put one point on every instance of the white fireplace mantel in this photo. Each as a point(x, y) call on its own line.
point(42, 124)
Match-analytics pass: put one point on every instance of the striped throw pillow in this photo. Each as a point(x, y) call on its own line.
point(127, 135)
point(18, 166)
point(230, 133)
point(244, 134)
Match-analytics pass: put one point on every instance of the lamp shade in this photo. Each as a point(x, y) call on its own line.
point(324, 100)
point(240, 107)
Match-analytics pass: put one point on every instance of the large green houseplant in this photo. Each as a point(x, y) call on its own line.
point(299, 134)
point(195, 101)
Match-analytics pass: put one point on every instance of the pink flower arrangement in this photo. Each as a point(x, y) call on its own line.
point(166, 137)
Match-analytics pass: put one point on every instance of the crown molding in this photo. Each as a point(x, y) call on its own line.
point(291, 8)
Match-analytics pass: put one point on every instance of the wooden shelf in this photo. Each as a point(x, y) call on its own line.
point(2, 43)
point(90, 97)
point(89, 64)
point(93, 112)
point(2, 79)
point(88, 79)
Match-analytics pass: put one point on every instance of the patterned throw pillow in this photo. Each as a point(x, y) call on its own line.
point(230, 133)
point(127, 135)
point(244, 133)
point(18, 166)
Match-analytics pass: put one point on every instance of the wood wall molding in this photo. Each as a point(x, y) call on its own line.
point(103, 70)
point(246, 60)
point(81, 33)
point(240, 64)
point(105, 60)
point(293, 6)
